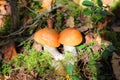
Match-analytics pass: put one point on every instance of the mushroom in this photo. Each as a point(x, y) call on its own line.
point(49, 39)
point(70, 37)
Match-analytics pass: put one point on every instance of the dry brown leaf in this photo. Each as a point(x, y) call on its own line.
point(9, 51)
point(50, 22)
point(96, 48)
point(102, 25)
point(22, 75)
point(89, 38)
point(76, 1)
point(8, 9)
point(70, 22)
point(85, 27)
point(46, 4)
point(107, 2)
point(85, 58)
point(33, 74)
point(1, 77)
point(83, 18)
point(27, 19)
point(116, 28)
point(116, 65)
point(37, 47)
point(98, 39)
point(106, 43)
point(104, 34)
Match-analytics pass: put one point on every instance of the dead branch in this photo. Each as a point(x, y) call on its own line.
point(26, 26)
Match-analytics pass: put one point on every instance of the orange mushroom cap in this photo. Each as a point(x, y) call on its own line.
point(47, 36)
point(70, 37)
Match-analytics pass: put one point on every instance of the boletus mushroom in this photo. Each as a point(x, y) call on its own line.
point(49, 39)
point(69, 38)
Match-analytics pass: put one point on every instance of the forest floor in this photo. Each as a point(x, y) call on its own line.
point(21, 58)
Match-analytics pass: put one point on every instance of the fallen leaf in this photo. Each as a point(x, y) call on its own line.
point(85, 27)
point(46, 4)
point(37, 46)
point(8, 9)
point(107, 2)
point(85, 58)
point(76, 1)
point(115, 28)
point(102, 25)
point(6, 77)
point(96, 48)
point(33, 74)
point(22, 75)
point(50, 22)
point(89, 38)
point(9, 51)
point(83, 18)
point(1, 77)
point(70, 22)
point(27, 19)
point(104, 34)
point(106, 43)
point(98, 39)
point(116, 65)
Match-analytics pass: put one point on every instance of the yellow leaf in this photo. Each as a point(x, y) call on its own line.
point(107, 2)
point(3, 2)
point(70, 22)
point(79, 2)
point(76, 1)
point(67, 77)
point(46, 4)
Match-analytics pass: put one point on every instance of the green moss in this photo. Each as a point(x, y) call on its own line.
point(39, 62)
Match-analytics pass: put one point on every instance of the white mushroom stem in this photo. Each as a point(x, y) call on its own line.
point(71, 49)
point(54, 52)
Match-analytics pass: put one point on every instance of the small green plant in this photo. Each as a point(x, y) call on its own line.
point(73, 9)
point(95, 9)
point(72, 72)
point(5, 69)
point(35, 5)
point(92, 64)
point(39, 62)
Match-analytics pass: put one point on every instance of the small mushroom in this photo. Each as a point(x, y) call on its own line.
point(49, 39)
point(70, 37)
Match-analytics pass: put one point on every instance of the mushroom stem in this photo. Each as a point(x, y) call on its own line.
point(71, 49)
point(54, 52)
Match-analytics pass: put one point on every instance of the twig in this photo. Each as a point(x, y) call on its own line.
point(25, 26)
point(30, 10)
